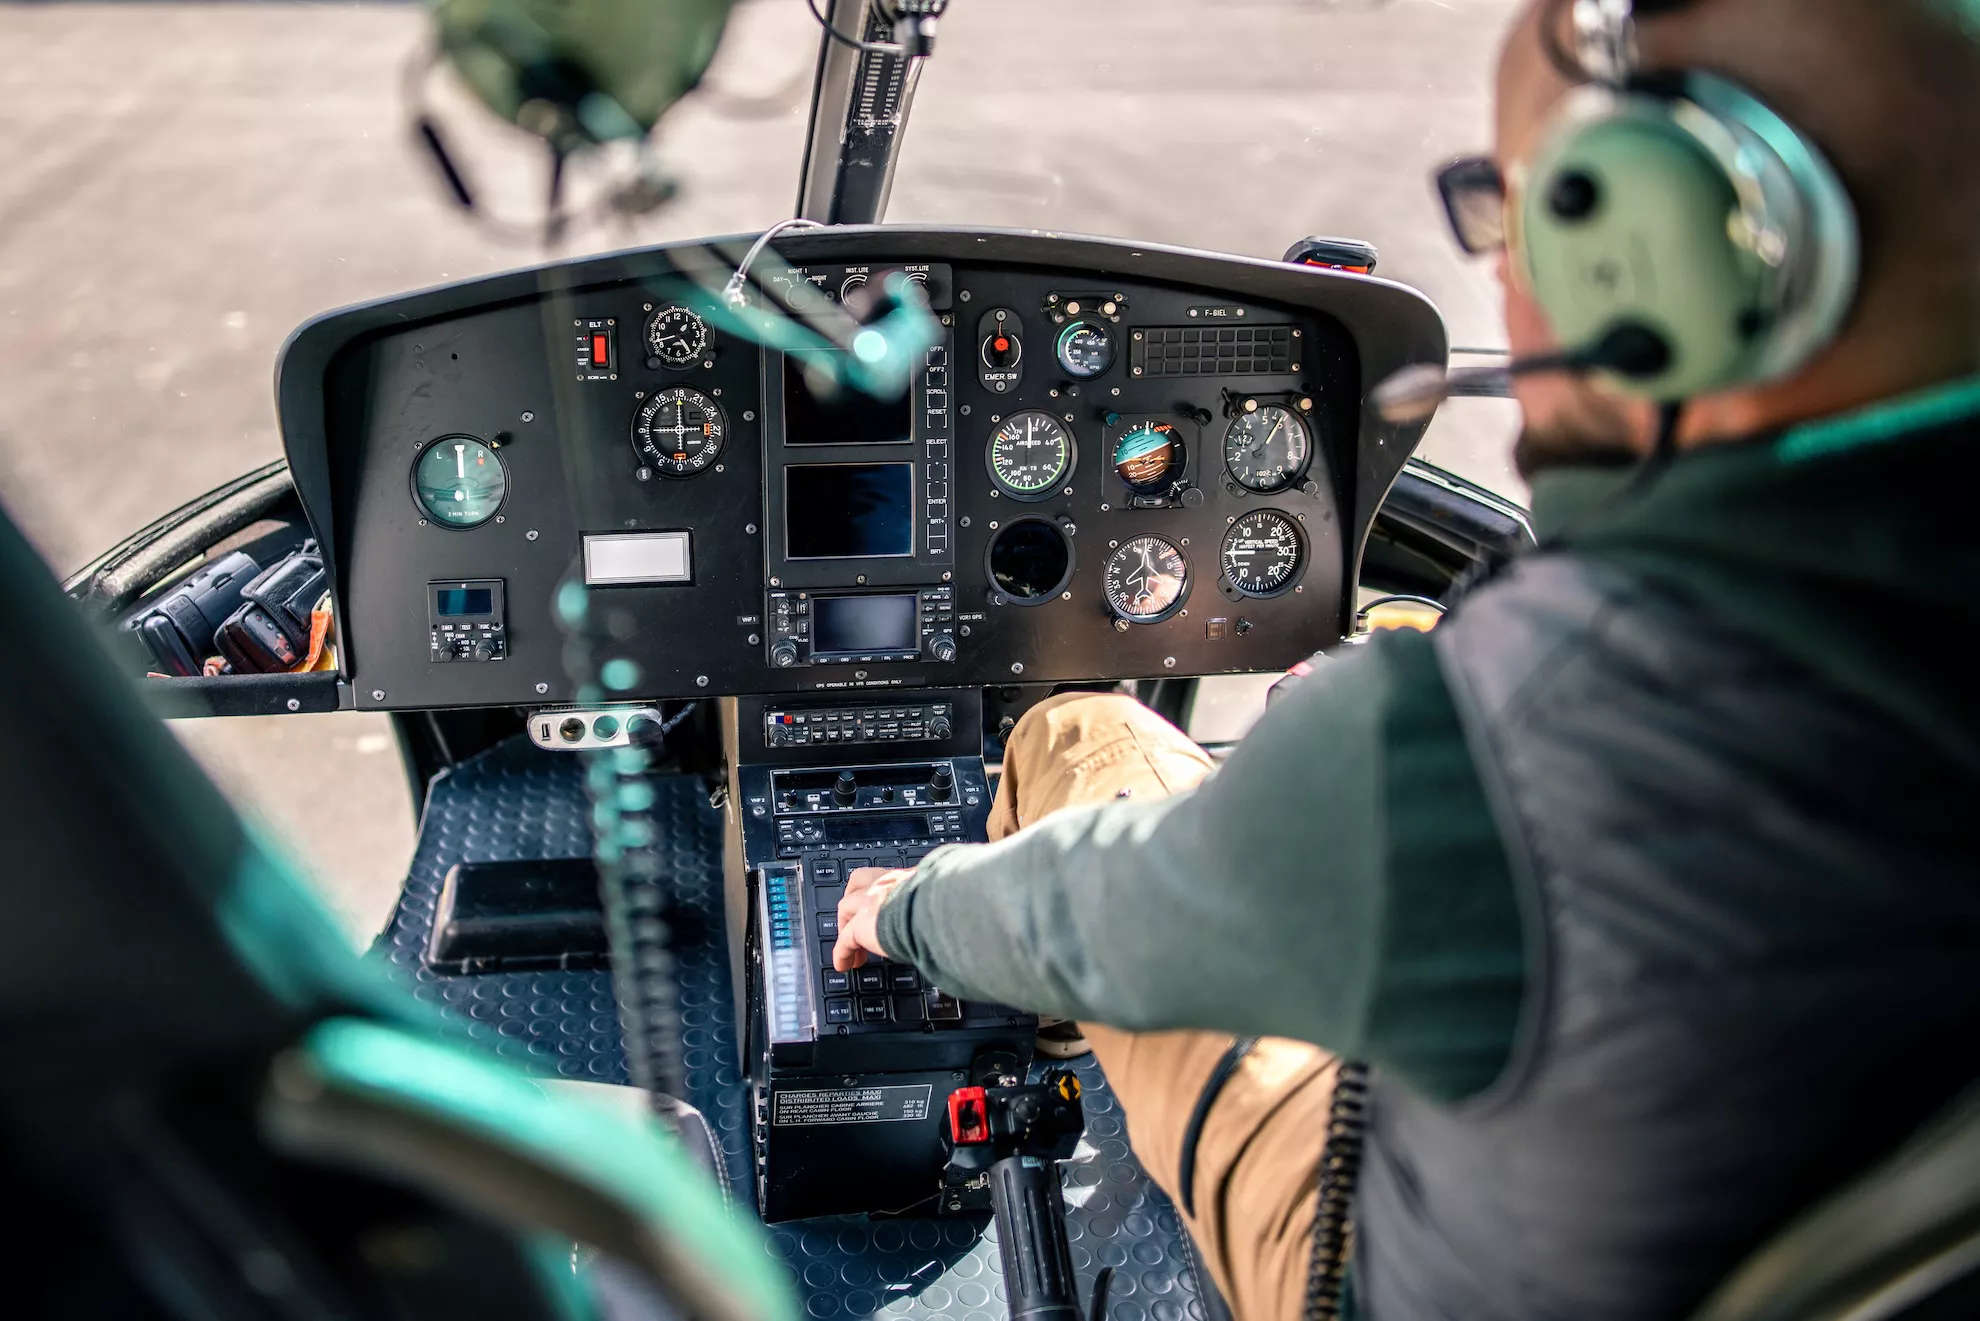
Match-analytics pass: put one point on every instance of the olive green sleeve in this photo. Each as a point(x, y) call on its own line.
point(1339, 880)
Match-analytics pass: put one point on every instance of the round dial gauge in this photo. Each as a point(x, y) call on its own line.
point(678, 431)
point(1268, 450)
point(1031, 455)
point(459, 482)
point(676, 336)
point(1263, 553)
point(1149, 458)
point(1146, 579)
point(1085, 350)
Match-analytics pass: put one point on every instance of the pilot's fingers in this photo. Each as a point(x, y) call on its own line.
point(859, 913)
point(864, 878)
point(846, 952)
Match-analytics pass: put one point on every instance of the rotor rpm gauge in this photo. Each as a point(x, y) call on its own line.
point(679, 432)
point(1085, 350)
point(1263, 553)
point(676, 336)
point(459, 482)
point(1031, 455)
point(1268, 450)
point(1146, 579)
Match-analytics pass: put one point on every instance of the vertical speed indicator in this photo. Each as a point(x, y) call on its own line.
point(1263, 553)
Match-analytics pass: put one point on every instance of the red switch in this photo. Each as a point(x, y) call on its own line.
point(601, 352)
point(969, 1116)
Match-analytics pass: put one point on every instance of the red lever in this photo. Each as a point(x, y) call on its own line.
point(969, 1116)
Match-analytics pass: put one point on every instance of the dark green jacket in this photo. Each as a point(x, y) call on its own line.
point(1342, 880)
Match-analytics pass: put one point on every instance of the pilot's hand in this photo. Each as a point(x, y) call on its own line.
point(859, 915)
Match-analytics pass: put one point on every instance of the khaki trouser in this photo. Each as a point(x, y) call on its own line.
point(1257, 1159)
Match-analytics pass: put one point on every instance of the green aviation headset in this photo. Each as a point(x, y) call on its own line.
point(1679, 224)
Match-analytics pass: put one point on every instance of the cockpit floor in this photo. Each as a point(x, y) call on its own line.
point(517, 802)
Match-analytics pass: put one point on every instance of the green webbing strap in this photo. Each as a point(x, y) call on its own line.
point(1879, 423)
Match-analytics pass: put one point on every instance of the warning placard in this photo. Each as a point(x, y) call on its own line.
point(851, 1105)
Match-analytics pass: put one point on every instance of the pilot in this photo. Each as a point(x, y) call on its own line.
point(1646, 889)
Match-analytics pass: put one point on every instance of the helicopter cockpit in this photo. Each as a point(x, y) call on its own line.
point(695, 577)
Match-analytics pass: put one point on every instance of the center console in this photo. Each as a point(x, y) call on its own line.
point(848, 1070)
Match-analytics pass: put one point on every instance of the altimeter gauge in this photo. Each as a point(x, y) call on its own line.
point(679, 432)
point(1147, 578)
point(1268, 450)
point(1031, 455)
point(1263, 553)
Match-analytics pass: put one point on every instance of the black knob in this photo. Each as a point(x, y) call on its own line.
point(939, 727)
point(784, 654)
point(942, 784)
point(845, 792)
point(485, 649)
point(943, 648)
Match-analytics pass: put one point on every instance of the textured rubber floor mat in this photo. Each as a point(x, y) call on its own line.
point(518, 802)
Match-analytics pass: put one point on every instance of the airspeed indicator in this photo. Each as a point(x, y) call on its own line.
point(1031, 455)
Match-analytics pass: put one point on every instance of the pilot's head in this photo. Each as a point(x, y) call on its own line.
point(1890, 91)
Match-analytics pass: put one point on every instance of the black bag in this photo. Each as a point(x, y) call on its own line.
point(269, 633)
point(178, 630)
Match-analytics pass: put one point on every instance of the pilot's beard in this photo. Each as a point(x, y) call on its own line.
point(1588, 429)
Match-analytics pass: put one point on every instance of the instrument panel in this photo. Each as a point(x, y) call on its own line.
point(1112, 462)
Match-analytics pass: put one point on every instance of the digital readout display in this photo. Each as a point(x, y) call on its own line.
point(456, 602)
point(848, 511)
point(862, 625)
point(863, 830)
point(816, 413)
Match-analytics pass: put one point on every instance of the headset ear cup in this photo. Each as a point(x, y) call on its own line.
point(1628, 222)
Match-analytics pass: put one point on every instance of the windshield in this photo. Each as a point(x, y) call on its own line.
point(185, 183)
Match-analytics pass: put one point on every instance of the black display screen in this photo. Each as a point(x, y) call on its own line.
point(455, 602)
point(848, 511)
point(843, 416)
point(868, 829)
point(862, 625)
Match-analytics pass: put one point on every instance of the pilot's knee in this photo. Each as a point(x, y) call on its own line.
point(1071, 724)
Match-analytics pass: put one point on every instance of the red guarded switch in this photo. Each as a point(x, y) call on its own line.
point(601, 352)
point(969, 1116)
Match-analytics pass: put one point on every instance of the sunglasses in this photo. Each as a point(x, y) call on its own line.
point(1474, 193)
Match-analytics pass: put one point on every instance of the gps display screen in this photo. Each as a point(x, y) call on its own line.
point(862, 625)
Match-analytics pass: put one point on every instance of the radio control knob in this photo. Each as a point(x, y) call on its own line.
point(943, 648)
point(939, 727)
point(784, 654)
point(845, 791)
point(942, 785)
